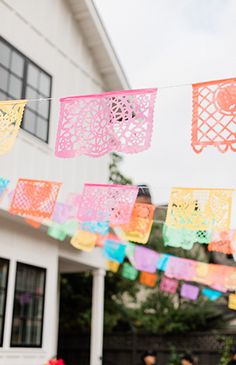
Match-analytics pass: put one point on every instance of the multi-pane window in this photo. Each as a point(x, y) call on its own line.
point(20, 78)
point(27, 322)
point(4, 266)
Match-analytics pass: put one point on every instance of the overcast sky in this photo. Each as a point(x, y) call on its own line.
point(171, 42)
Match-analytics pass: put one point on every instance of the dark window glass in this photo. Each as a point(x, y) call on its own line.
point(20, 78)
point(27, 322)
point(4, 267)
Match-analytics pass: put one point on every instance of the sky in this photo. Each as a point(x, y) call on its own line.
point(171, 44)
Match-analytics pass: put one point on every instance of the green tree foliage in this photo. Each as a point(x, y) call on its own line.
point(225, 357)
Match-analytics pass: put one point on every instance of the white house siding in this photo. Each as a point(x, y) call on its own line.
point(47, 33)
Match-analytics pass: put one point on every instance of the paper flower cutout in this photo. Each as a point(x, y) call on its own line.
point(199, 209)
point(114, 250)
point(129, 272)
point(3, 187)
point(223, 242)
point(84, 240)
point(145, 259)
point(113, 266)
point(113, 203)
point(232, 301)
point(95, 125)
point(148, 279)
point(11, 113)
point(34, 198)
point(101, 228)
point(162, 261)
point(214, 115)
point(211, 294)
point(139, 227)
point(188, 291)
point(168, 285)
point(183, 237)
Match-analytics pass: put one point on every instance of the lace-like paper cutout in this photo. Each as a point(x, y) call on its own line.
point(188, 291)
point(139, 227)
point(232, 301)
point(211, 294)
point(168, 285)
point(162, 261)
point(11, 113)
point(84, 240)
point(145, 259)
point(113, 203)
point(96, 227)
point(148, 279)
point(112, 266)
point(113, 250)
point(129, 272)
point(223, 242)
point(57, 232)
point(199, 209)
point(3, 187)
point(34, 198)
point(181, 269)
point(185, 238)
point(95, 125)
point(214, 115)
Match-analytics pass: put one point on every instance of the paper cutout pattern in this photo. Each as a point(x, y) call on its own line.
point(188, 291)
point(84, 240)
point(148, 279)
point(181, 269)
point(113, 203)
point(129, 272)
point(223, 242)
point(145, 259)
point(168, 285)
point(185, 238)
point(60, 213)
point(139, 227)
point(113, 266)
point(11, 113)
point(34, 198)
point(199, 209)
point(211, 294)
point(162, 261)
point(232, 301)
point(95, 125)
point(96, 227)
point(3, 187)
point(214, 115)
point(113, 250)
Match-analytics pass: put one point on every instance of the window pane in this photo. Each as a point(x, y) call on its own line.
point(28, 307)
point(3, 79)
point(5, 53)
point(43, 108)
point(3, 96)
point(4, 265)
point(33, 76)
point(29, 122)
point(17, 64)
point(44, 85)
point(15, 87)
point(42, 128)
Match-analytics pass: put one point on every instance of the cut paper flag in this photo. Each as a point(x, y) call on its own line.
point(95, 125)
point(60, 213)
point(112, 266)
point(199, 209)
point(70, 227)
point(168, 285)
point(201, 273)
point(224, 242)
point(56, 231)
point(139, 227)
point(11, 114)
point(162, 261)
point(145, 259)
point(214, 115)
point(230, 277)
point(184, 238)
point(181, 269)
point(34, 198)
point(148, 279)
point(73, 203)
point(211, 294)
point(3, 187)
point(101, 228)
point(232, 301)
point(113, 250)
point(113, 203)
point(129, 272)
point(84, 240)
point(129, 252)
point(188, 291)
point(34, 223)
